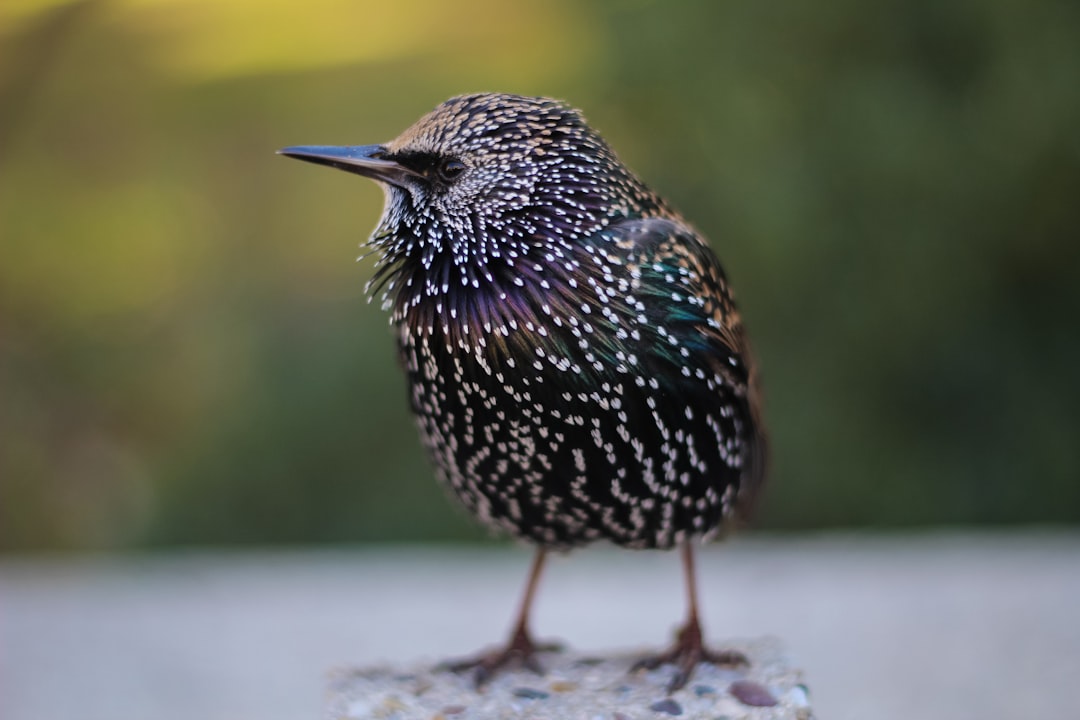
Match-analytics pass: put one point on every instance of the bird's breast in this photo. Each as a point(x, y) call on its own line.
point(548, 422)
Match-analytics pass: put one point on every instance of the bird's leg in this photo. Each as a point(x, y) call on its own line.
point(521, 651)
point(689, 649)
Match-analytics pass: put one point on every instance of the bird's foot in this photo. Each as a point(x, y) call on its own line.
point(686, 654)
point(520, 653)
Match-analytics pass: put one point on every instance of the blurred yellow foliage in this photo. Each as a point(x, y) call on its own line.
point(14, 13)
point(203, 40)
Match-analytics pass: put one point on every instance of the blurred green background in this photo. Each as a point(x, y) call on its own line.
point(186, 356)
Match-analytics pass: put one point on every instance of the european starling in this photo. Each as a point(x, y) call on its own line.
point(576, 364)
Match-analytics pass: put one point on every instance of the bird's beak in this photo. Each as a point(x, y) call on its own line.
point(367, 160)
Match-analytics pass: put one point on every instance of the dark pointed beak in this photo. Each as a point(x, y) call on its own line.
point(368, 160)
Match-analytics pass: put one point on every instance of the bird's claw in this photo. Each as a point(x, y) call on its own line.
point(686, 654)
point(520, 653)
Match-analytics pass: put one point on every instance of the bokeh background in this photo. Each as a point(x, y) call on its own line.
point(186, 357)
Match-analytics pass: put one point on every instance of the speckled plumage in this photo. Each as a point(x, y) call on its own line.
point(576, 363)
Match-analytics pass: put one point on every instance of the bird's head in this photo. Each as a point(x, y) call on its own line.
point(485, 180)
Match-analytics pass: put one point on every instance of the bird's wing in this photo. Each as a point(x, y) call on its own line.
point(664, 285)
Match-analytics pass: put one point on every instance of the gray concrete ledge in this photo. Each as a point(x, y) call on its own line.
point(598, 687)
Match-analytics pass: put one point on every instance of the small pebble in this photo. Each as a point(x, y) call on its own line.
point(529, 693)
point(453, 710)
point(392, 703)
point(752, 693)
point(562, 686)
point(588, 661)
point(798, 696)
point(703, 690)
point(667, 705)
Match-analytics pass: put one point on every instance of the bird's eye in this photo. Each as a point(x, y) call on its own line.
point(450, 169)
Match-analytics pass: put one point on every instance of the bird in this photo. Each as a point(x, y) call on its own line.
point(575, 360)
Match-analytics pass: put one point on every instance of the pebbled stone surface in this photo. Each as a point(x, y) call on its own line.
point(578, 686)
